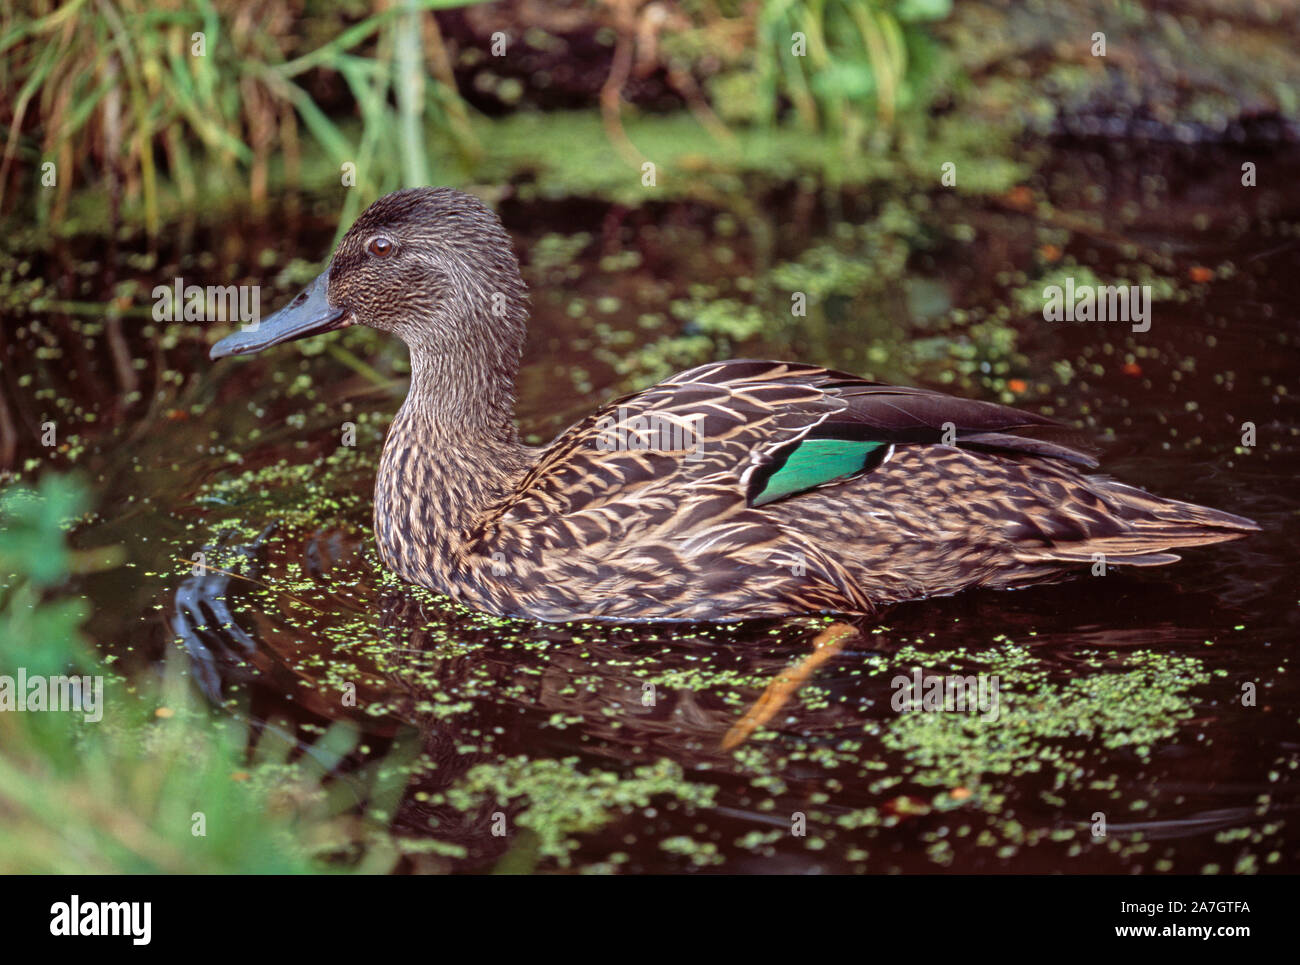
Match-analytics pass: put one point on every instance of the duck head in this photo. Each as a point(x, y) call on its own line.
point(432, 266)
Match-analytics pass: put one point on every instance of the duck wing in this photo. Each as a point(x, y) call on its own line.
point(764, 430)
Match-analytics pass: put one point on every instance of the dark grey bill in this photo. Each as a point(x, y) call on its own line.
point(310, 313)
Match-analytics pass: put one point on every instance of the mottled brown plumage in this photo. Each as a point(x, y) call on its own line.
point(737, 489)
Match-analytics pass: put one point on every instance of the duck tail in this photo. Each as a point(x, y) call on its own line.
point(1138, 528)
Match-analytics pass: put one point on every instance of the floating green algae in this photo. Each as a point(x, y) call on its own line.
point(1139, 701)
point(560, 800)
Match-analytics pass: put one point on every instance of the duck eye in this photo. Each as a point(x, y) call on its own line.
point(380, 247)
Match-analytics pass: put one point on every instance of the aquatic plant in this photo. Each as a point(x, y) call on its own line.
point(844, 66)
point(218, 92)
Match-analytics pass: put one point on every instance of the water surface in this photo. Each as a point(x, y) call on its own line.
point(483, 743)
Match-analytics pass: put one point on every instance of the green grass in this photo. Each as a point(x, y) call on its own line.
point(153, 112)
point(121, 95)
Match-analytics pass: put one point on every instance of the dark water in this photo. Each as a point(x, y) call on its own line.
point(520, 746)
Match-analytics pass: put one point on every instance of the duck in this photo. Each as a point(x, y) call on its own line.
point(738, 489)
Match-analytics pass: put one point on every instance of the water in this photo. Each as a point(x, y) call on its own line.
point(590, 747)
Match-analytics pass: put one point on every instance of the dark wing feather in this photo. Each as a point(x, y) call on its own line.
point(906, 414)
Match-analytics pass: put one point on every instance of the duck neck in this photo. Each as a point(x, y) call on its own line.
point(455, 401)
point(451, 452)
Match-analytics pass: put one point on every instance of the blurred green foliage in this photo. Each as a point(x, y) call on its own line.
point(150, 110)
point(128, 793)
point(158, 107)
point(218, 89)
point(31, 541)
point(34, 558)
point(848, 67)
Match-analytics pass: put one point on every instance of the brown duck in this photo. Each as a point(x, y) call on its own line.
point(737, 489)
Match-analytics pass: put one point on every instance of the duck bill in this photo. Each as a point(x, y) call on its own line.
point(310, 313)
